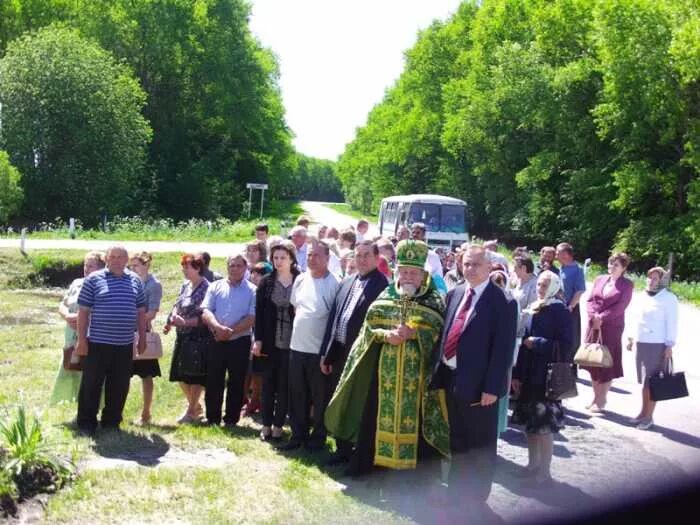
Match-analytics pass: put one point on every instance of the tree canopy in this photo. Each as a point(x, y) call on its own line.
point(71, 120)
point(555, 120)
point(211, 98)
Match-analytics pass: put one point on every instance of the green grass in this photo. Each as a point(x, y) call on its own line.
point(259, 486)
point(346, 209)
point(280, 215)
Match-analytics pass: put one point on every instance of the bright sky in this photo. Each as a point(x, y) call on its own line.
point(337, 58)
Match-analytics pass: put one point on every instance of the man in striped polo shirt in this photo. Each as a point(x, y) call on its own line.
point(112, 305)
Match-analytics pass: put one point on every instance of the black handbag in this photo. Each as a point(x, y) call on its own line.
point(667, 384)
point(561, 378)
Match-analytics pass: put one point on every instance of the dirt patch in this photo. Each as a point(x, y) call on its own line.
point(173, 458)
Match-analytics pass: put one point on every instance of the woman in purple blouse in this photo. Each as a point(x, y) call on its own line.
point(607, 302)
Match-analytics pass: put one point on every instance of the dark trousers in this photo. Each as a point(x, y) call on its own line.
point(343, 447)
point(226, 357)
point(109, 366)
point(473, 435)
point(275, 388)
point(307, 386)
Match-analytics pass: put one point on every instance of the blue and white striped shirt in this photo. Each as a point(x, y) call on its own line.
point(114, 303)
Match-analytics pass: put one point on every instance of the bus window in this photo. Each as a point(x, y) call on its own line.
point(428, 214)
point(452, 219)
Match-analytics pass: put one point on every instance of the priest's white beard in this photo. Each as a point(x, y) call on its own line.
point(407, 289)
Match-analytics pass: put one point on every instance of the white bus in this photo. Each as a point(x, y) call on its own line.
point(445, 218)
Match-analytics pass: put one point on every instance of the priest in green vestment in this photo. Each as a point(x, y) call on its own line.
point(382, 403)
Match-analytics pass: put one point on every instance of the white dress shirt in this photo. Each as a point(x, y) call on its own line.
point(478, 291)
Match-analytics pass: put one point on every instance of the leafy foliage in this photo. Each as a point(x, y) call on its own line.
point(571, 120)
point(28, 459)
point(210, 95)
point(11, 193)
point(72, 124)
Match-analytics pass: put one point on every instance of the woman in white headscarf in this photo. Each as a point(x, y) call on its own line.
point(655, 334)
point(550, 331)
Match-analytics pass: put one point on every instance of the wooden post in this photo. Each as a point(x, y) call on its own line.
point(23, 242)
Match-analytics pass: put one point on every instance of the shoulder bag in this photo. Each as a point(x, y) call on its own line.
point(154, 347)
point(594, 354)
point(667, 384)
point(561, 378)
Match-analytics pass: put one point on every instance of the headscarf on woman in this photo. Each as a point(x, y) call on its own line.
point(551, 295)
point(664, 279)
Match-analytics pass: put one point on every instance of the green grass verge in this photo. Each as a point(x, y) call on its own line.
point(278, 213)
point(258, 486)
point(346, 209)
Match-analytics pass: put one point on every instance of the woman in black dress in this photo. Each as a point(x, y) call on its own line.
point(550, 331)
point(193, 336)
point(274, 316)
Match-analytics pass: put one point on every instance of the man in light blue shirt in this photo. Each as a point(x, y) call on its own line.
point(229, 310)
point(574, 284)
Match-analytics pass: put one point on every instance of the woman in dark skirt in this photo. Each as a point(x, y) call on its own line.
point(274, 316)
point(193, 337)
point(147, 369)
point(550, 330)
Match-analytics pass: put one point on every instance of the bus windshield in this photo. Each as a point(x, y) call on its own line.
point(447, 218)
point(452, 219)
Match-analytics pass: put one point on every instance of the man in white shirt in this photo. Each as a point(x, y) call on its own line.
point(313, 294)
point(432, 263)
point(298, 236)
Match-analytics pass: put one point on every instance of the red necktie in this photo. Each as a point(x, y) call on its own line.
point(457, 327)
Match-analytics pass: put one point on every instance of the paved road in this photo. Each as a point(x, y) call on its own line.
point(597, 459)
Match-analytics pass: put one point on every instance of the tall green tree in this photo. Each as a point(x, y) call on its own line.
point(11, 194)
point(213, 98)
point(555, 120)
point(72, 123)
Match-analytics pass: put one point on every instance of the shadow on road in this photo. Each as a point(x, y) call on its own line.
point(669, 433)
point(615, 389)
point(517, 439)
point(558, 495)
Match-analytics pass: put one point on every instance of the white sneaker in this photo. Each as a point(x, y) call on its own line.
point(636, 420)
point(185, 418)
point(646, 424)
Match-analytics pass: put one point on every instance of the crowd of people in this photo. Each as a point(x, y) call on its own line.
point(398, 351)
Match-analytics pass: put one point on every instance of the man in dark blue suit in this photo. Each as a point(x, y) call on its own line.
point(345, 320)
point(471, 364)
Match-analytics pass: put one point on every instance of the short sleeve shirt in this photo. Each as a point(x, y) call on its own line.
point(114, 302)
point(153, 291)
point(572, 281)
point(230, 303)
point(312, 299)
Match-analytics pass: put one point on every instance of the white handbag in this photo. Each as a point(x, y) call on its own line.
point(154, 346)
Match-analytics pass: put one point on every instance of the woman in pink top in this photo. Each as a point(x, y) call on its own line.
point(607, 302)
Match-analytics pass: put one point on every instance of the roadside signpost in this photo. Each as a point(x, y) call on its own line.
point(255, 186)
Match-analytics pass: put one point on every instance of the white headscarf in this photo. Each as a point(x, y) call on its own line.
point(551, 296)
